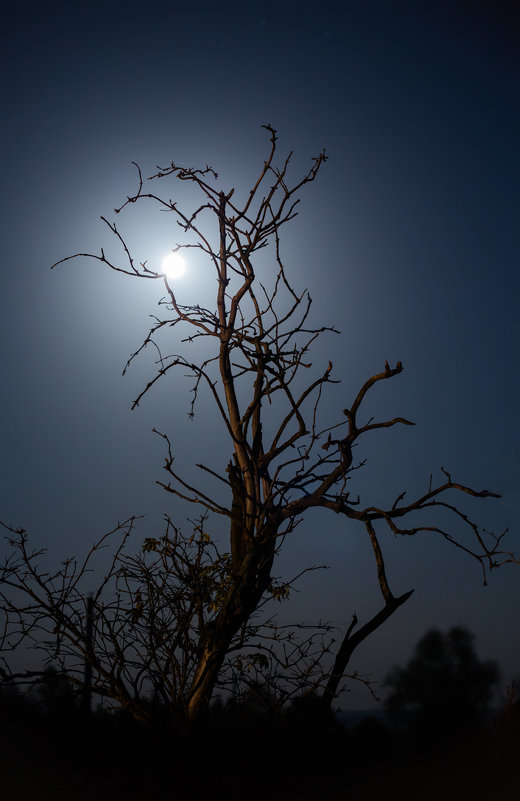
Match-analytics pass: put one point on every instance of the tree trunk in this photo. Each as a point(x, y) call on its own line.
point(244, 596)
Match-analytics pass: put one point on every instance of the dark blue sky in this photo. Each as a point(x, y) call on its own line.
point(408, 242)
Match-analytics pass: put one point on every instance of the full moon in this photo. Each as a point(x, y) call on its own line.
point(174, 265)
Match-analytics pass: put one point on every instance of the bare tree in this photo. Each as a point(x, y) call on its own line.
point(283, 458)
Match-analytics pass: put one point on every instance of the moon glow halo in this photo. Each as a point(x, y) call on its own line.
point(174, 265)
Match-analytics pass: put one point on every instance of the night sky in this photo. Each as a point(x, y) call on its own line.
point(408, 242)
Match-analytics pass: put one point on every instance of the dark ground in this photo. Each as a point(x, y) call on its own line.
point(55, 761)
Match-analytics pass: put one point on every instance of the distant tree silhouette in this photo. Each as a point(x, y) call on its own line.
point(179, 618)
point(444, 686)
point(56, 693)
point(11, 700)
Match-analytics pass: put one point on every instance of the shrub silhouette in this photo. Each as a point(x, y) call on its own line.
point(13, 708)
point(444, 686)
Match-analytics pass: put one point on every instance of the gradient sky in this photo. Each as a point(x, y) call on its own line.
point(408, 242)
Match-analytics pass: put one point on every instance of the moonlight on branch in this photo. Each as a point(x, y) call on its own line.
point(188, 614)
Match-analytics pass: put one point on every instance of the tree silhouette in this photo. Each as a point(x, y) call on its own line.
point(444, 686)
point(179, 618)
